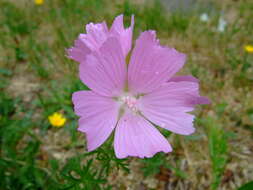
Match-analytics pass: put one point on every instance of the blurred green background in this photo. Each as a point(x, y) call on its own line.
point(37, 79)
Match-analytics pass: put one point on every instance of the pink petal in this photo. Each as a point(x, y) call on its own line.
point(96, 35)
point(135, 136)
point(124, 35)
point(98, 116)
point(151, 64)
point(105, 71)
point(86, 43)
point(196, 100)
point(79, 51)
point(167, 106)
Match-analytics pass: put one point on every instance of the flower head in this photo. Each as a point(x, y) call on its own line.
point(222, 25)
point(57, 119)
point(130, 98)
point(204, 17)
point(38, 2)
point(249, 48)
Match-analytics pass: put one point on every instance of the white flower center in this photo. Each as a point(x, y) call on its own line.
point(129, 102)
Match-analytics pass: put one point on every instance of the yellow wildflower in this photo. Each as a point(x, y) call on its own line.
point(57, 119)
point(38, 2)
point(249, 48)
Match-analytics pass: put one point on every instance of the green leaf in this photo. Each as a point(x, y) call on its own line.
point(247, 186)
point(217, 143)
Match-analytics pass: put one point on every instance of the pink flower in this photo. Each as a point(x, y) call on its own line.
point(131, 98)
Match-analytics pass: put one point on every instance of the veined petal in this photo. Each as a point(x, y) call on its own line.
point(135, 136)
point(167, 106)
point(105, 71)
point(96, 35)
point(86, 43)
point(98, 116)
point(124, 35)
point(198, 99)
point(79, 51)
point(151, 64)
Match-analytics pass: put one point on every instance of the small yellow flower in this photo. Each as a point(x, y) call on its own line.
point(38, 2)
point(57, 119)
point(249, 48)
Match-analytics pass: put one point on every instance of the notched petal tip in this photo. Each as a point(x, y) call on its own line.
point(96, 27)
point(118, 22)
point(148, 36)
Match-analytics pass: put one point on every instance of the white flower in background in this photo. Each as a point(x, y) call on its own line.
point(204, 17)
point(222, 25)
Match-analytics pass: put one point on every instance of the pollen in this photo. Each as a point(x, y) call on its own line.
point(130, 102)
point(57, 119)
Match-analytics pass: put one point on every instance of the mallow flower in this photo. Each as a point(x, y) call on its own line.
point(222, 25)
point(131, 98)
point(204, 17)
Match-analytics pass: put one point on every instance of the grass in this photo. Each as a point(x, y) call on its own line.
point(37, 79)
